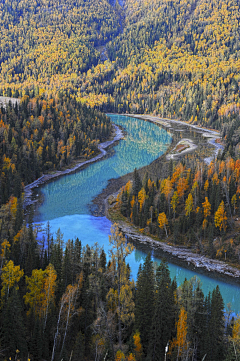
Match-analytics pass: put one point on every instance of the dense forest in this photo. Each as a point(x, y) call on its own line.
point(68, 302)
point(40, 135)
point(172, 58)
point(196, 205)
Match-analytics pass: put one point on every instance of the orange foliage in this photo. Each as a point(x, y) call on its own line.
point(182, 186)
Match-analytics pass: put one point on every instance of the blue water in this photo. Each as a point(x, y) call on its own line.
point(66, 200)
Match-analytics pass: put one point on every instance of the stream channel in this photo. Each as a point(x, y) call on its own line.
point(66, 201)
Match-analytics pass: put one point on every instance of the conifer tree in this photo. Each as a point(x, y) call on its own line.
point(216, 327)
point(145, 301)
point(137, 185)
point(164, 314)
point(12, 330)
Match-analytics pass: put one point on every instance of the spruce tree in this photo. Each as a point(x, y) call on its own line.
point(216, 327)
point(137, 185)
point(164, 314)
point(12, 330)
point(144, 305)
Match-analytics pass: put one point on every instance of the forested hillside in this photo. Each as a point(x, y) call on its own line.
point(197, 206)
point(41, 40)
point(42, 135)
point(173, 58)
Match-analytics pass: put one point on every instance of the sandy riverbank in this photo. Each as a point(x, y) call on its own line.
point(182, 147)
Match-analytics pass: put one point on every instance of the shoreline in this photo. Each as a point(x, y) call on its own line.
point(213, 135)
point(28, 190)
point(159, 167)
point(180, 254)
point(183, 255)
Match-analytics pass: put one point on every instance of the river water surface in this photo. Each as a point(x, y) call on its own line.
point(66, 201)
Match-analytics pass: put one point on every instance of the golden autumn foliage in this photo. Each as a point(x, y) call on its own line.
point(5, 247)
point(10, 277)
point(163, 221)
point(182, 186)
point(174, 202)
point(179, 345)
point(152, 65)
point(166, 187)
point(131, 357)
point(137, 346)
point(236, 329)
point(120, 356)
point(141, 197)
point(41, 291)
point(189, 204)
point(220, 217)
point(46, 134)
point(206, 208)
point(184, 215)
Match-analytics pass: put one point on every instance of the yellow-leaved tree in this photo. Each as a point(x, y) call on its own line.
point(67, 310)
point(141, 198)
point(163, 222)
point(167, 190)
point(5, 247)
point(120, 295)
point(174, 202)
point(41, 291)
point(137, 346)
point(206, 211)
point(179, 346)
point(10, 277)
point(120, 356)
point(235, 338)
point(220, 217)
point(189, 204)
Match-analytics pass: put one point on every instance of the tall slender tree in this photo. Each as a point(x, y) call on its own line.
point(163, 323)
point(144, 307)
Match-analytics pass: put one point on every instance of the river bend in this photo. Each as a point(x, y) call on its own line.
point(66, 201)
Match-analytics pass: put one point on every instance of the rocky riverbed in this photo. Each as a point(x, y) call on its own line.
point(183, 254)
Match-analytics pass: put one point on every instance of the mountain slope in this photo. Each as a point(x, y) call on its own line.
point(174, 58)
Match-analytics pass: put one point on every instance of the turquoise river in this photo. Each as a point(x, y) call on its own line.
point(66, 200)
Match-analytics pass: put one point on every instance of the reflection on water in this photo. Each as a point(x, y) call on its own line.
point(71, 194)
point(66, 200)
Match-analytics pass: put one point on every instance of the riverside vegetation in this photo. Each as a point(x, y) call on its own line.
point(175, 58)
point(197, 206)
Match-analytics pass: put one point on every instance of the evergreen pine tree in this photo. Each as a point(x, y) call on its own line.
point(136, 183)
point(12, 330)
point(164, 315)
point(216, 327)
point(144, 305)
point(36, 342)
